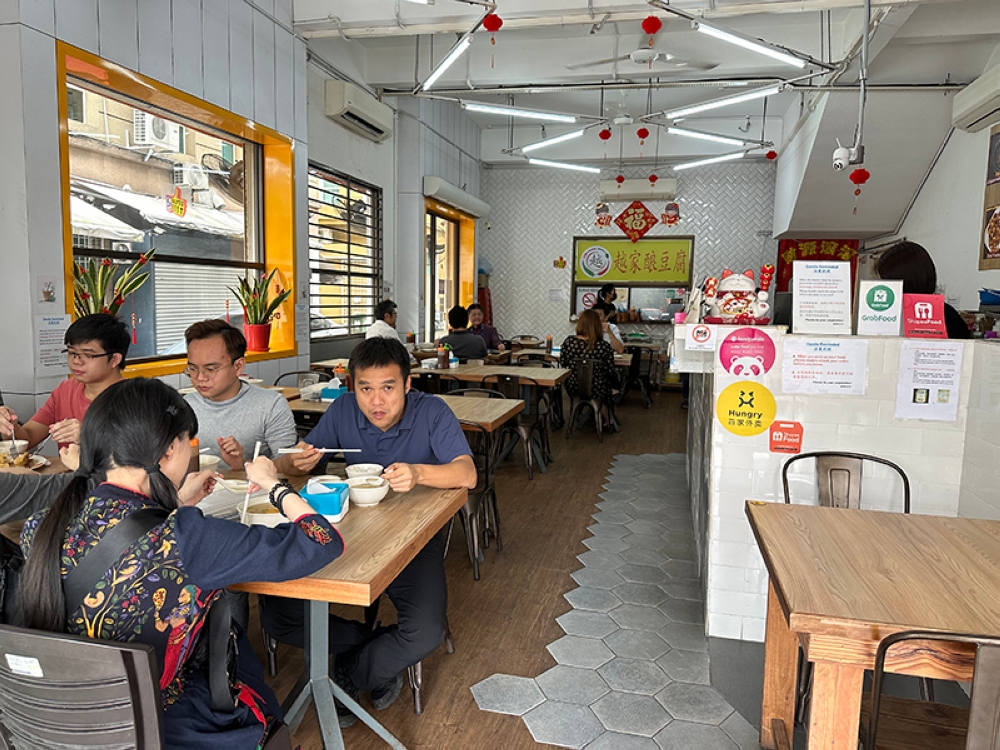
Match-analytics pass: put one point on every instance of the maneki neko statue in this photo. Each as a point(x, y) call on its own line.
point(735, 298)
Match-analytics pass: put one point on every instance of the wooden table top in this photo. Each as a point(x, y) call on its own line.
point(489, 413)
point(865, 574)
point(379, 543)
point(544, 376)
point(328, 364)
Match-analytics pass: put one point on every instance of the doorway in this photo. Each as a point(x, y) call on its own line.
point(441, 236)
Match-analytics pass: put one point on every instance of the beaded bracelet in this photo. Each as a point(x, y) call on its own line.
point(277, 499)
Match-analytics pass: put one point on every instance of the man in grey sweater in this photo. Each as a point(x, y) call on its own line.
point(232, 415)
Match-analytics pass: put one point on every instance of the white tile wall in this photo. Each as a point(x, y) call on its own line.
point(980, 492)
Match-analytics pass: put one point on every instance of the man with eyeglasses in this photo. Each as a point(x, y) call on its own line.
point(232, 415)
point(96, 347)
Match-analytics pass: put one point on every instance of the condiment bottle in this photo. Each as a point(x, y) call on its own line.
point(411, 337)
point(548, 343)
point(442, 358)
point(194, 463)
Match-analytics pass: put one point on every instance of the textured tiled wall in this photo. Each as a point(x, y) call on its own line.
point(445, 126)
point(536, 213)
point(980, 496)
point(931, 454)
point(699, 455)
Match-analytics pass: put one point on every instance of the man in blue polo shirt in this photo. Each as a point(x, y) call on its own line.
point(418, 440)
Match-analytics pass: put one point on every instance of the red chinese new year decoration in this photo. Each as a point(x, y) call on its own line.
point(635, 220)
point(793, 250)
point(643, 134)
point(859, 177)
point(605, 135)
point(620, 179)
point(603, 215)
point(771, 155)
point(671, 215)
point(651, 25)
point(492, 24)
point(652, 179)
point(766, 274)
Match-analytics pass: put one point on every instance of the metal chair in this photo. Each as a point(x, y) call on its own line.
point(553, 396)
point(317, 376)
point(530, 425)
point(534, 358)
point(919, 724)
point(481, 499)
point(640, 369)
point(585, 369)
point(524, 341)
point(70, 691)
point(437, 383)
point(476, 393)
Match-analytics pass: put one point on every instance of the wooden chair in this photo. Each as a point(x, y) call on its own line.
point(437, 383)
point(585, 369)
point(921, 725)
point(530, 425)
point(318, 376)
point(640, 369)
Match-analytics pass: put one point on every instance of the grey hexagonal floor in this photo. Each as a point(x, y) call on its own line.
point(632, 670)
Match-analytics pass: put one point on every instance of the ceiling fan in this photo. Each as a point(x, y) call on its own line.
point(647, 57)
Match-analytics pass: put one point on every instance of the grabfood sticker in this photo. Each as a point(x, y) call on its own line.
point(746, 408)
point(595, 261)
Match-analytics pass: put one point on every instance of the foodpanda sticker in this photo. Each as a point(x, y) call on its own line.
point(747, 353)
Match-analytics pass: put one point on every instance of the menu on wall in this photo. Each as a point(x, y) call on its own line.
point(828, 366)
point(821, 300)
point(929, 378)
point(50, 331)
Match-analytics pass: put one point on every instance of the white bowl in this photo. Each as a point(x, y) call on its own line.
point(252, 381)
point(269, 518)
point(206, 461)
point(364, 494)
point(364, 470)
point(428, 346)
point(20, 445)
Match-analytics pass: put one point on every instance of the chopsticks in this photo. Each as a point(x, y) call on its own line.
point(246, 498)
point(287, 451)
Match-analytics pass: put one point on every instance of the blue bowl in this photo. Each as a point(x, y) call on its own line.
point(327, 503)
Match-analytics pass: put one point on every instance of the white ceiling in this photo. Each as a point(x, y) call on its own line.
point(916, 43)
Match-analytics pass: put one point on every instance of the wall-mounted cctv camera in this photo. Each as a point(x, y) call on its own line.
point(841, 158)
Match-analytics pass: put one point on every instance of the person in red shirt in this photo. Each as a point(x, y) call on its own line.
point(96, 346)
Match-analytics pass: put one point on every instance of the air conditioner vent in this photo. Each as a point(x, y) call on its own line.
point(358, 111)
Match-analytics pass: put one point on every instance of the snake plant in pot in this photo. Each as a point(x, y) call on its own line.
point(259, 308)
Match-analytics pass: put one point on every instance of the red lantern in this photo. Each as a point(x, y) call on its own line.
point(492, 23)
point(605, 135)
point(651, 25)
point(620, 179)
point(652, 179)
point(860, 176)
point(643, 134)
point(771, 155)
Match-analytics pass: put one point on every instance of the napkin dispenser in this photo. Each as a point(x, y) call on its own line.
point(328, 496)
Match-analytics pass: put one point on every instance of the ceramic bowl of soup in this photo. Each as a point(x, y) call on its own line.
point(206, 461)
point(262, 513)
point(367, 491)
point(364, 470)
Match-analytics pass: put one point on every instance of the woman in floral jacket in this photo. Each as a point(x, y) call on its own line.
point(135, 444)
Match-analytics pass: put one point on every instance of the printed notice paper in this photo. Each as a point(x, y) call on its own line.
point(49, 333)
point(835, 366)
point(821, 302)
point(929, 377)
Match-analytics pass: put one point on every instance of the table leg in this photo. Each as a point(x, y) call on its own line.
point(835, 707)
point(781, 653)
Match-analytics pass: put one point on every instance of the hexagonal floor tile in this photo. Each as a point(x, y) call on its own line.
point(690, 590)
point(631, 714)
point(682, 666)
point(637, 617)
point(634, 676)
point(642, 556)
point(681, 735)
point(696, 703)
point(680, 569)
point(593, 600)
point(597, 578)
point(617, 741)
point(644, 541)
point(682, 610)
point(563, 724)
point(647, 502)
point(684, 636)
point(625, 495)
point(741, 732)
point(645, 594)
point(606, 560)
point(613, 530)
point(605, 543)
point(639, 573)
point(507, 694)
point(645, 527)
point(637, 644)
point(612, 516)
point(572, 685)
point(587, 624)
point(576, 651)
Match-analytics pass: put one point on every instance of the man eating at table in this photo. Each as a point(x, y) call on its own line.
point(96, 346)
point(418, 440)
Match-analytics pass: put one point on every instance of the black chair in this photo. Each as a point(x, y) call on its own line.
point(640, 369)
point(530, 425)
point(482, 499)
point(524, 341)
point(585, 369)
point(531, 356)
point(319, 375)
point(919, 724)
point(553, 396)
point(476, 393)
point(437, 383)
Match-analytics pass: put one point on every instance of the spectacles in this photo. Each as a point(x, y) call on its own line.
point(208, 371)
point(85, 356)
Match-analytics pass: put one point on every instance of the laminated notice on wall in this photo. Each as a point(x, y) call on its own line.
point(50, 330)
point(929, 378)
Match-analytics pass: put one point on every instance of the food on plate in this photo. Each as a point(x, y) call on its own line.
point(261, 508)
point(21, 459)
point(993, 232)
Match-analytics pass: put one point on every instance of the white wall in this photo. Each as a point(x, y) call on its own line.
point(947, 217)
point(235, 54)
point(980, 496)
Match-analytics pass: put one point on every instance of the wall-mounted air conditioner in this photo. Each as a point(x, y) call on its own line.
point(664, 189)
point(150, 130)
point(193, 175)
point(977, 106)
point(357, 110)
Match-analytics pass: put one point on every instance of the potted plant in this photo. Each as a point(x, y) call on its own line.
point(258, 309)
point(96, 288)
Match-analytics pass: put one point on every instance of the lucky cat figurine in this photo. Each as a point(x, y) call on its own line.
point(734, 298)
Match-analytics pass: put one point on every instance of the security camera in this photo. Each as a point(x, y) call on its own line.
point(841, 158)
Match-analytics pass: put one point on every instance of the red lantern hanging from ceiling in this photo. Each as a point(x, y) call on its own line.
point(492, 24)
point(643, 134)
point(620, 179)
point(771, 155)
point(605, 135)
point(652, 179)
point(859, 177)
point(651, 25)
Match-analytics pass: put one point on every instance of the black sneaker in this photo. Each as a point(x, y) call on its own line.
point(385, 696)
point(340, 676)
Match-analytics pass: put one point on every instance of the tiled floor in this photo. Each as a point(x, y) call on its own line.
point(632, 670)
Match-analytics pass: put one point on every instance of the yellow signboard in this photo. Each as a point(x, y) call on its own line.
point(621, 261)
point(746, 408)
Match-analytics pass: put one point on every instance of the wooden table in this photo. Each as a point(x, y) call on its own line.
point(379, 543)
point(841, 580)
point(328, 365)
point(488, 413)
point(288, 392)
point(547, 377)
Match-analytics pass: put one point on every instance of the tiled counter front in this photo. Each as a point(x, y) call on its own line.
point(740, 468)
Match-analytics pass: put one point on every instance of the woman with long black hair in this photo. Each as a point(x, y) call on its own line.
point(135, 446)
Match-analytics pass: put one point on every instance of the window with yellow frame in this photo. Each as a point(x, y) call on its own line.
point(147, 167)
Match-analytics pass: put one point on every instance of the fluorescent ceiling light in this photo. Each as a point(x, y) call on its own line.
point(751, 44)
point(421, 2)
point(564, 165)
point(498, 109)
point(456, 52)
point(706, 136)
point(713, 160)
point(723, 102)
point(552, 141)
